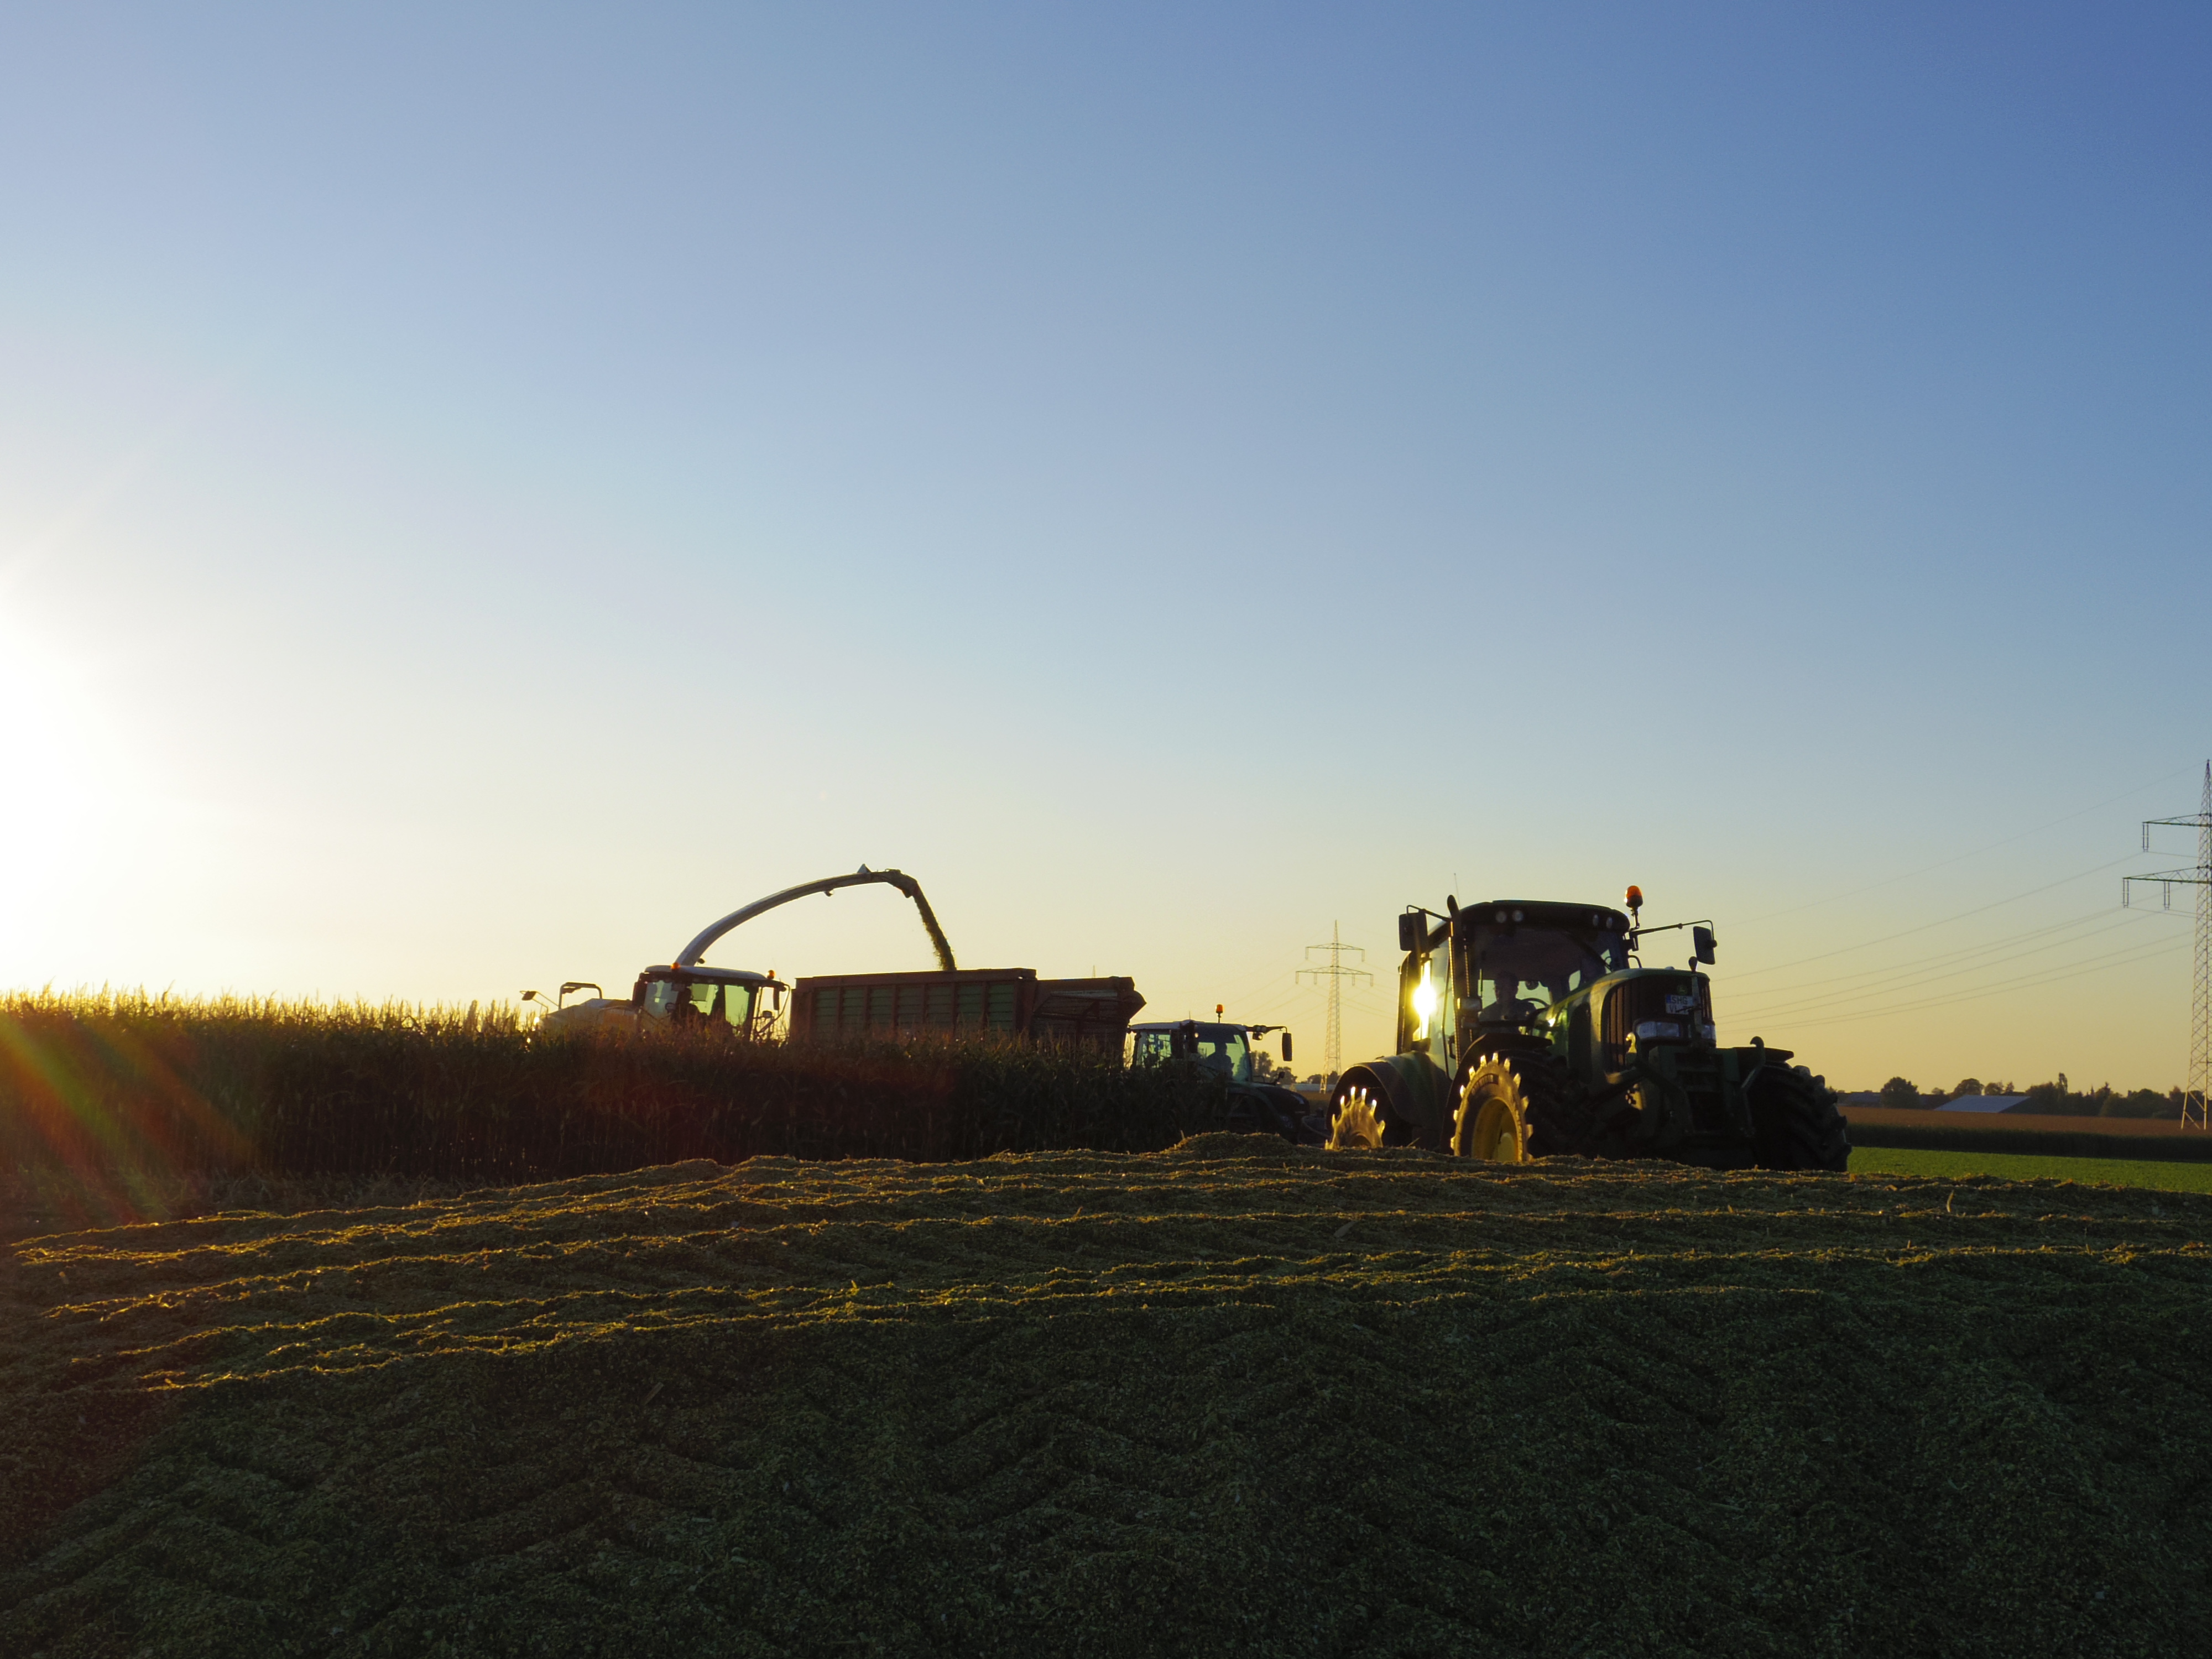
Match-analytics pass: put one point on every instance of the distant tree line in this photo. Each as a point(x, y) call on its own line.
point(2055, 1098)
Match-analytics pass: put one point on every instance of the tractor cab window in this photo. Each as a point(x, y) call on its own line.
point(1151, 1047)
point(1518, 974)
point(1226, 1051)
point(1217, 1048)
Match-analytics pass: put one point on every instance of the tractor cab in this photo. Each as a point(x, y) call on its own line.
point(1223, 1048)
point(1499, 967)
point(1559, 973)
point(1258, 1099)
point(1517, 970)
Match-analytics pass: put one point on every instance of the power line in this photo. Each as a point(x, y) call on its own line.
point(2126, 952)
point(1259, 986)
point(1295, 996)
point(2049, 977)
point(1943, 921)
point(1905, 980)
point(1336, 973)
point(2194, 1102)
point(1945, 864)
point(1907, 963)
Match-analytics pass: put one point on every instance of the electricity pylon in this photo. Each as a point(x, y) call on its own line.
point(1336, 973)
point(2198, 1093)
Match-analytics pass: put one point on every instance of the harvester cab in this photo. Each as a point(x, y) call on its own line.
point(727, 996)
point(1529, 1028)
point(745, 1003)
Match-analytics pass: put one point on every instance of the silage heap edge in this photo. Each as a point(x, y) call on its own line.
point(1234, 1398)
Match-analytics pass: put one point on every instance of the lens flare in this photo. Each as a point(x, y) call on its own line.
point(1424, 1001)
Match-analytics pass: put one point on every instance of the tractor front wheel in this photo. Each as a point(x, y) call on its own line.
point(1355, 1115)
point(1514, 1107)
point(1794, 1121)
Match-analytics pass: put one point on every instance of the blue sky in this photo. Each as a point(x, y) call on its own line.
point(484, 491)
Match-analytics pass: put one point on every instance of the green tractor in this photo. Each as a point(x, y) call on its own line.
point(1529, 1029)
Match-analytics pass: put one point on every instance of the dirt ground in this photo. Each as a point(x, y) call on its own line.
point(1233, 1399)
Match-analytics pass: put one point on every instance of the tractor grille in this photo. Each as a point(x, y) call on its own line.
point(1642, 1007)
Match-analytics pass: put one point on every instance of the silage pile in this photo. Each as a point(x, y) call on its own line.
point(1231, 1399)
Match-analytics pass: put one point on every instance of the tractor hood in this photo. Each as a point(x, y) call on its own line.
point(1630, 1013)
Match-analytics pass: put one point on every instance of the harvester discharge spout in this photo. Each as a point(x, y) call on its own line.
point(689, 956)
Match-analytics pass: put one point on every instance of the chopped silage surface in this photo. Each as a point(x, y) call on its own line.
point(1235, 1398)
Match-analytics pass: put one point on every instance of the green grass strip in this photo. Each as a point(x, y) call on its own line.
point(2172, 1177)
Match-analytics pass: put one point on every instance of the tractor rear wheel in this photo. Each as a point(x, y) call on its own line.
point(1794, 1121)
point(1514, 1107)
point(1355, 1116)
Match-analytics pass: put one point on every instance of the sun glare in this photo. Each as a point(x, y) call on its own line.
point(58, 764)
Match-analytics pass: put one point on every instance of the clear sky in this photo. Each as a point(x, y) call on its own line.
point(485, 491)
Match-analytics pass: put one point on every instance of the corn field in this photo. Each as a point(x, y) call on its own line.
point(96, 1084)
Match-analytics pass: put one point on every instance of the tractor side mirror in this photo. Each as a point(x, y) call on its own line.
point(1287, 1047)
point(1411, 933)
point(1701, 942)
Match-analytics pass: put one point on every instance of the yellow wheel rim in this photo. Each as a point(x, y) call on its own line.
point(1489, 1124)
point(1497, 1134)
point(1356, 1123)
